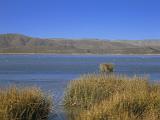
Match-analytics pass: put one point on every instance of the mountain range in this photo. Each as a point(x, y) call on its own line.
point(17, 43)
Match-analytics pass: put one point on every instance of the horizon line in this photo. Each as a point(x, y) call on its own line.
point(81, 38)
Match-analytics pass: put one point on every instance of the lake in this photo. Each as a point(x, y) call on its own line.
point(53, 72)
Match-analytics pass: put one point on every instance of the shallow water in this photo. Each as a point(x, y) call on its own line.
point(53, 72)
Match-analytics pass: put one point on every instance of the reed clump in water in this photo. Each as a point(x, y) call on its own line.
point(106, 67)
point(113, 97)
point(24, 104)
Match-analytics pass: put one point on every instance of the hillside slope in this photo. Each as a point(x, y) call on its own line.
point(16, 43)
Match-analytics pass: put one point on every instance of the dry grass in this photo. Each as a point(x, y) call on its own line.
point(24, 104)
point(106, 67)
point(113, 97)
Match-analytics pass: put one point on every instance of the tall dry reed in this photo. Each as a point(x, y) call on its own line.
point(113, 97)
point(24, 104)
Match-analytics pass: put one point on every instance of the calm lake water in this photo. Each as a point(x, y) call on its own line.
point(53, 72)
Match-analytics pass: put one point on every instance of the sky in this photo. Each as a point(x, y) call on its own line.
point(103, 19)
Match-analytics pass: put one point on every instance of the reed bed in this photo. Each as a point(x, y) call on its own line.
point(112, 97)
point(24, 104)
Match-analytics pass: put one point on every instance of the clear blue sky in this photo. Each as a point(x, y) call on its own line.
point(110, 19)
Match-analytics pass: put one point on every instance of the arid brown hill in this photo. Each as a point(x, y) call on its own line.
point(16, 43)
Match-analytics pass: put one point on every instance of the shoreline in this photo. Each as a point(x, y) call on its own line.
point(75, 54)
